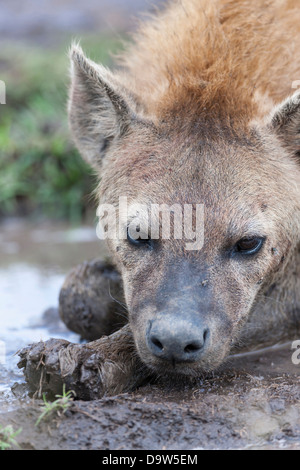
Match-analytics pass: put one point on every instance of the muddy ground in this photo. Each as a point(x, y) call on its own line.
point(250, 405)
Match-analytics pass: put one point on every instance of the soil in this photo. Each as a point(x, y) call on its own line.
point(251, 404)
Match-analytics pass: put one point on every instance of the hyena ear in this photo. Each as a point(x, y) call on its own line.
point(100, 109)
point(285, 120)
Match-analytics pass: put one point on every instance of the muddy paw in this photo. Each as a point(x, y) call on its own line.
point(91, 300)
point(107, 366)
point(51, 364)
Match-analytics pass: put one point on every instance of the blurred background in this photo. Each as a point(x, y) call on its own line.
point(41, 174)
point(47, 216)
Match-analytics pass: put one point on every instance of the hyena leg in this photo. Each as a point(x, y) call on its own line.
point(107, 366)
point(91, 300)
point(91, 304)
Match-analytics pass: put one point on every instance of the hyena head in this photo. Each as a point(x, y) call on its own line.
point(209, 214)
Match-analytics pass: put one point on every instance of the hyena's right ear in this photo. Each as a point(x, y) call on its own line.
point(100, 109)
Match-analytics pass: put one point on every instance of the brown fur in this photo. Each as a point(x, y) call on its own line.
point(230, 58)
point(195, 116)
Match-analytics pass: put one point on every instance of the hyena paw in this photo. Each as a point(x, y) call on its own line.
point(50, 365)
point(106, 366)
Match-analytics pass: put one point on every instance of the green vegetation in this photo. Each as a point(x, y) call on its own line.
point(57, 407)
point(7, 437)
point(41, 173)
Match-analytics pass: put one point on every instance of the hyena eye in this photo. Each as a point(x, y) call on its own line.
point(140, 241)
point(249, 245)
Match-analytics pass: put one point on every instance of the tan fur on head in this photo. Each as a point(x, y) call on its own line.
point(226, 52)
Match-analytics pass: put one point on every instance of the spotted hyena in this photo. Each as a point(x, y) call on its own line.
point(201, 111)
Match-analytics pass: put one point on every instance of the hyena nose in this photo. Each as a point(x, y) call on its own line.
point(176, 340)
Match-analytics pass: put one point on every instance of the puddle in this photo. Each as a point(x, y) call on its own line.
point(33, 264)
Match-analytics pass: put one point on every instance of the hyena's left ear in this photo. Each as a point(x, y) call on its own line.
point(101, 110)
point(285, 121)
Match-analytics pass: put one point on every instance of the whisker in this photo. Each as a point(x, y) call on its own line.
point(115, 300)
point(271, 298)
point(120, 314)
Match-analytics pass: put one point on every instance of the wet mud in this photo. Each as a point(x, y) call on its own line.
point(251, 404)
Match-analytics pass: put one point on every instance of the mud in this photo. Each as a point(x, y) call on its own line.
point(91, 300)
point(251, 404)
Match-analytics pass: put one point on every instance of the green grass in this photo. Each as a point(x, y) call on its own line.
point(57, 407)
point(40, 170)
point(7, 437)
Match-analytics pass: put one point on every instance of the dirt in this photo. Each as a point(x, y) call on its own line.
point(251, 404)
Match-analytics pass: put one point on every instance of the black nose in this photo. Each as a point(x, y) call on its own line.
point(176, 340)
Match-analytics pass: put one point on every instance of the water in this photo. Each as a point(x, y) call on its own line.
point(33, 263)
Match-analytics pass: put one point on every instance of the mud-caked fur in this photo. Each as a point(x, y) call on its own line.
point(202, 110)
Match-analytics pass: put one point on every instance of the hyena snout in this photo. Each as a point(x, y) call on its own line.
point(177, 340)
